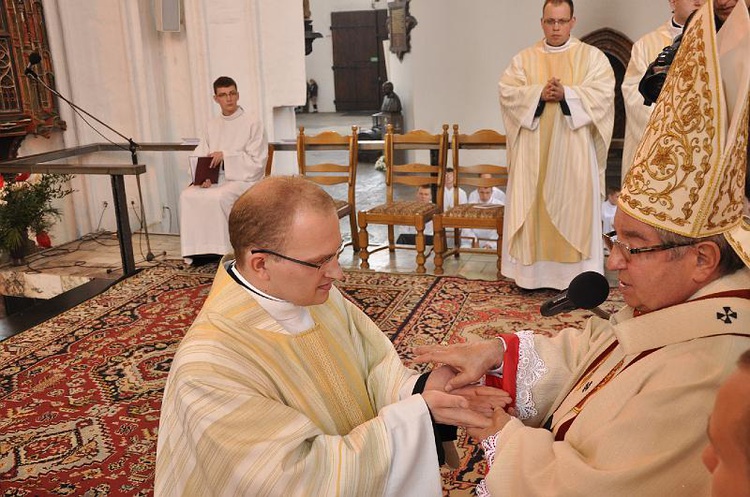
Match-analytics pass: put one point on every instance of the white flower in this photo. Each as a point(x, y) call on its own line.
point(380, 163)
point(34, 179)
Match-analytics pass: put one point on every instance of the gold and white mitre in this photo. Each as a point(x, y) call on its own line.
point(688, 176)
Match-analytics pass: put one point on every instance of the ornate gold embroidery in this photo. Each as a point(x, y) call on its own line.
point(670, 169)
point(729, 199)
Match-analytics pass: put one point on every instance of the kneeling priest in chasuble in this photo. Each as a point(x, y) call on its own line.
point(620, 408)
point(282, 387)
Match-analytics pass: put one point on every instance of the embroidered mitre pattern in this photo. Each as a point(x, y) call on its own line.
point(676, 178)
point(730, 195)
point(689, 171)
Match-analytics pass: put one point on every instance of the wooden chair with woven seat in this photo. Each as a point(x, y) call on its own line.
point(471, 216)
point(329, 173)
point(406, 212)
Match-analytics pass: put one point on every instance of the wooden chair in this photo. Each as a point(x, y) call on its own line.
point(406, 212)
point(474, 176)
point(269, 160)
point(332, 173)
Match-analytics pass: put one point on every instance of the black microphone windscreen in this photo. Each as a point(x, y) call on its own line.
point(588, 290)
point(34, 58)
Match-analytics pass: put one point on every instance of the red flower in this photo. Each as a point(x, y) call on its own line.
point(43, 239)
point(2, 181)
point(22, 176)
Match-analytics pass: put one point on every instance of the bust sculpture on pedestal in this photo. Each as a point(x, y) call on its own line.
point(390, 112)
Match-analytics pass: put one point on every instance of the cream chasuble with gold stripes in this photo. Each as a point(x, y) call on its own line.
point(251, 411)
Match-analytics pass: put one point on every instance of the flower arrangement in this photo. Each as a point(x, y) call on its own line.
point(26, 204)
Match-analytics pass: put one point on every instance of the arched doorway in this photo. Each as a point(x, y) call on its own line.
point(616, 46)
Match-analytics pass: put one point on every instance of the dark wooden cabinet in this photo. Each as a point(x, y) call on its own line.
point(26, 107)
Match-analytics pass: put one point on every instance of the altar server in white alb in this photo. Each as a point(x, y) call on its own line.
point(282, 387)
point(237, 144)
point(644, 52)
point(620, 407)
point(557, 103)
point(482, 238)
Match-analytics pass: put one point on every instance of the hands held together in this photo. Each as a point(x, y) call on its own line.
point(553, 91)
point(452, 392)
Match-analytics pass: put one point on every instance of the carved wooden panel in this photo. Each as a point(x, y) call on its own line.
point(400, 24)
point(26, 106)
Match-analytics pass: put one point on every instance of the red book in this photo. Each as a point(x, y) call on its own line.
point(204, 171)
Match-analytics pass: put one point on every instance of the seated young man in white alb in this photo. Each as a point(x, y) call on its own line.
point(236, 143)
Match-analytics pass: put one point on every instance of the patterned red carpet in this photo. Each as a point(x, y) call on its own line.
point(80, 393)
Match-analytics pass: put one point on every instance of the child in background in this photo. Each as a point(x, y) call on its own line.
point(448, 195)
point(609, 207)
point(482, 238)
point(498, 196)
point(408, 234)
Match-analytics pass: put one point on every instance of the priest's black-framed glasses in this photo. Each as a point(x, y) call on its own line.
point(314, 265)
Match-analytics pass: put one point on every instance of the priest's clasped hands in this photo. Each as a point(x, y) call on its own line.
point(553, 91)
point(483, 414)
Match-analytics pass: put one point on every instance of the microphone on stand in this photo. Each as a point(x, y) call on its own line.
point(587, 291)
point(34, 59)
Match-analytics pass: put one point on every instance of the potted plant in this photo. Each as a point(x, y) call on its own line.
point(26, 205)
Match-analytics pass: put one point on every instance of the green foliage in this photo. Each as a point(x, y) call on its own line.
point(27, 204)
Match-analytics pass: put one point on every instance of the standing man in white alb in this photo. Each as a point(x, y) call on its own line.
point(644, 51)
point(237, 144)
point(557, 102)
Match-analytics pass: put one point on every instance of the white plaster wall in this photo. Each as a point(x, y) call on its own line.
point(460, 48)
point(110, 60)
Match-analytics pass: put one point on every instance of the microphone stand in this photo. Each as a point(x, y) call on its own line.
point(600, 313)
point(132, 146)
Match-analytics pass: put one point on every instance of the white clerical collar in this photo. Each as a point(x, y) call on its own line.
point(675, 29)
point(550, 49)
point(293, 318)
point(234, 115)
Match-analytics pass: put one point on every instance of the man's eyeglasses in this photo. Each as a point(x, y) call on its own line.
point(552, 22)
point(610, 241)
point(225, 95)
point(315, 265)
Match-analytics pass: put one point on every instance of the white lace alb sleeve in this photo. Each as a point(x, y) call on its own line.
point(531, 368)
point(489, 445)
